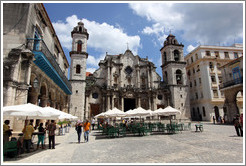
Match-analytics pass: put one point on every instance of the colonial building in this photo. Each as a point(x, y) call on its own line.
point(126, 81)
point(232, 86)
point(35, 67)
point(204, 77)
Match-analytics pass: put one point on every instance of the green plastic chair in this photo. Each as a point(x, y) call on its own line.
point(11, 147)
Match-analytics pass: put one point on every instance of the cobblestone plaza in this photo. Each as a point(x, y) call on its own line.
point(216, 144)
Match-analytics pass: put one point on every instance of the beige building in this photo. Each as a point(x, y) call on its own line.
point(35, 67)
point(204, 76)
point(232, 86)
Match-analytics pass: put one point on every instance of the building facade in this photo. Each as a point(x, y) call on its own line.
point(35, 67)
point(204, 76)
point(232, 86)
point(125, 81)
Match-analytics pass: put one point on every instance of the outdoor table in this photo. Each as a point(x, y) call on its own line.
point(199, 126)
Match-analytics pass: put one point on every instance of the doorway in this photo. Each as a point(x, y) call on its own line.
point(129, 104)
point(216, 111)
point(95, 109)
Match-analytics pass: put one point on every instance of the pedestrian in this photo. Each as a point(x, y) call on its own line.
point(219, 119)
point(236, 124)
point(93, 123)
point(241, 124)
point(79, 130)
point(27, 134)
point(213, 119)
point(86, 127)
point(51, 130)
point(6, 131)
point(41, 131)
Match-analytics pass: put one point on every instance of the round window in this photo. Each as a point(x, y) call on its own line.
point(95, 95)
point(159, 97)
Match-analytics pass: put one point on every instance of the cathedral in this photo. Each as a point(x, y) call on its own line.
point(127, 81)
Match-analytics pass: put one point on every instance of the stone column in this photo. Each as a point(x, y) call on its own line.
point(103, 104)
point(154, 103)
point(122, 103)
point(44, 101)
point(139, 101)
point(86, 109)
point(149, 101)
point(108, 102)
point(113, 101)
point(108, 81)
point(148, 77)
point(138, 77)
point(34, 97)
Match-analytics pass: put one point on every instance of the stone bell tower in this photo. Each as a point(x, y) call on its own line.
point(174, 75)
point(78, 70)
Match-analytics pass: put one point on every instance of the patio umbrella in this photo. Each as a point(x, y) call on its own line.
point(61, 114)
point(101, 115)
point(28, 111)
point(115, 112)
point(139, 112)
point(166, 111)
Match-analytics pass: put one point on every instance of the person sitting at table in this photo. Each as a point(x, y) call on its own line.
point(41, 131)
point(27, 132)
point(6, 132)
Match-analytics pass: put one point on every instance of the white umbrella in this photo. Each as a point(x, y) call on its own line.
point(28, 111)
point(139, 112)
point(101, 115)
point(61, 115)
point(115, 112)
point(166, 111)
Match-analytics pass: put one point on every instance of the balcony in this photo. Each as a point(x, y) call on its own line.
point(45, 60)
point(232, 83)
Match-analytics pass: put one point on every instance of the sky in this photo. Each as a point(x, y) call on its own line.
point(144, 26)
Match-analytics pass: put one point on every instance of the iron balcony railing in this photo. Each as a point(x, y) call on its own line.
point(231, 83)
point(39, 45)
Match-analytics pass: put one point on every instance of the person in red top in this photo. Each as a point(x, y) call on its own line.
point(86, 128)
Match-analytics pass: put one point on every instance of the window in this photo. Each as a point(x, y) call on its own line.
point(77, 91)
point(194, 82)
point(196, 95)
point(159, 97)
point(193, 70)
point(191, 59)
point(165, 57)
point(208, 53)
point(190, 84)
point(179, 76)
point(220, 79)
point(196, 56)
point(226, 55)
point(181, 96)
point(176, 55)
point(235, 55)
point(78, 69)
point(198, 111)
point(201, 95)
point(215, 92)
point(79, 46)
point(198, 68)
point(203, 111)
point(217, 54)
point(211, 65)
point(213, 79)
point(166, 76)
point(194, 112)
point(200, 81)
point(94, 95)
point(128, 70)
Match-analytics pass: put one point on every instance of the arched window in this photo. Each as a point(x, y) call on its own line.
point(78, 69)
point(79, 46)
point(165, 57)
point(166, 76)
point(176, 55)
point(80, 29)
point(179, 76)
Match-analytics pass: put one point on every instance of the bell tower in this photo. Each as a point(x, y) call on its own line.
point(78, 70)
point(174, 75)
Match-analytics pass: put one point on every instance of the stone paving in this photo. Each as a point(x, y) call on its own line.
point(216, 144)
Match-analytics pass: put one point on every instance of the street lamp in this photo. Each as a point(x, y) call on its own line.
point(35, 83)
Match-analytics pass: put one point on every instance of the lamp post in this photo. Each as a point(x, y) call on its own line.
point(35, 83)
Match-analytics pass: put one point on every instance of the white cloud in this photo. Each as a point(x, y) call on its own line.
point(204, 22)
point(91, 70)
point(190, 48)
point(102, 36)
point(93, 60)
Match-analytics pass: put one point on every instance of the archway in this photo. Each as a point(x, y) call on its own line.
point(217, 113)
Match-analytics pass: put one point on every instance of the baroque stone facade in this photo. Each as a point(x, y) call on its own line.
point(126, 81)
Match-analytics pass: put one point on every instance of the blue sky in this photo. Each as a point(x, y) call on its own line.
point(145, 26)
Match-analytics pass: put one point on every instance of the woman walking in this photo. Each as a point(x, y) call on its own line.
point(79, 130)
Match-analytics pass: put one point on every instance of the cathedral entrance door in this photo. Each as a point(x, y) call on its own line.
point(129, 104)
point(95, 109)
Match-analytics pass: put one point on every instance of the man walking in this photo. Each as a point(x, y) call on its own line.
point(27, 132)
point(51, 129)
point(86, 127)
